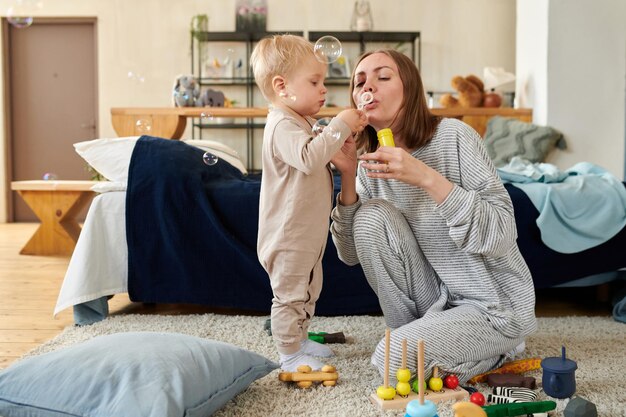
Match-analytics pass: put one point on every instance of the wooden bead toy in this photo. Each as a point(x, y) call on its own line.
point(415, 408)
point(403, 375)
point(385, 391)
point(304, 377)
point(451, 381)
point(435, 383)
point(478, 398)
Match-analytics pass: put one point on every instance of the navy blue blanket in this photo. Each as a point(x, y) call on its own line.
point(191, 233)
point(192, 230)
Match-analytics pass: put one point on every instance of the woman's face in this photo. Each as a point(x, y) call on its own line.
point(378, 73)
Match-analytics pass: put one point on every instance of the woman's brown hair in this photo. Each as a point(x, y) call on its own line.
point(417, 124)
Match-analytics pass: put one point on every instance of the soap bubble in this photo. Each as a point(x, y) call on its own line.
point(143, 126)
point(287, 95)
point(209, 158)
point(321, 125)
point(206, 118)
point(49, 176)
point(364, 99)
point(136, 77)
point(328, 49)
point(20, 14)
point(19, 22)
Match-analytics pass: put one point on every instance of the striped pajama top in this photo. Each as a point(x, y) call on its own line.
point(469, 239)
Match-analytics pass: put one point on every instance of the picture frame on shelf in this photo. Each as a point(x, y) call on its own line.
point(339, 68)
point(251, 15)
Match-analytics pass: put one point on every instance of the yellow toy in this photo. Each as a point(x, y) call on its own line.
point(304, 378)
point(386, 392)
point(468, 409)
point(385, 396)
point(403, 375)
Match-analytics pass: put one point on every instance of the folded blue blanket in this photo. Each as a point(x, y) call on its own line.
point(579, 208)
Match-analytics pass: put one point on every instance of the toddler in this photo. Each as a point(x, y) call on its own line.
point(296, 188)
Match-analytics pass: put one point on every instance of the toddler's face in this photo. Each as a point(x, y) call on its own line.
point(305, 88)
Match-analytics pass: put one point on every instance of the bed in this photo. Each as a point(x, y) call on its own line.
point(179, 231)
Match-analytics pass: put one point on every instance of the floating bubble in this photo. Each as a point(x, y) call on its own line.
point(49, 176)
point(209, 158)
point(20, 14)
point(364, 99)
point(19, 22)
point(143, 126)
point(328, 49)
point(321, 125)
point(136, 77)
point(287, 95)
point(206, 117)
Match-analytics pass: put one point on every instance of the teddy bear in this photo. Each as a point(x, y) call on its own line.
point(470, 90)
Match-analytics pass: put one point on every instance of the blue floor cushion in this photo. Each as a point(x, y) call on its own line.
point(131, 374)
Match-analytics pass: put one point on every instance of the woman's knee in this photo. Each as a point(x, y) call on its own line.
point(373, 216)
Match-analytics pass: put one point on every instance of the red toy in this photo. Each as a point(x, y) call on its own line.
point(477, 398)
point(451, 381)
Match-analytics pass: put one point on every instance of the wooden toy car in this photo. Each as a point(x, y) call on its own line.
point(305, 377)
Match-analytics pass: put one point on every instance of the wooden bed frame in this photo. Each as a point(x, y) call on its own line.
point(170, 122)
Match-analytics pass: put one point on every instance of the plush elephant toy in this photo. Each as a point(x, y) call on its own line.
point(186, 92)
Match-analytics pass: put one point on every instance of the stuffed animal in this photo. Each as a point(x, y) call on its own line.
point(470, 90)
point(186, 91)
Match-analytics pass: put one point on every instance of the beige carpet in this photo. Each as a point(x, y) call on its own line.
point(597, 344)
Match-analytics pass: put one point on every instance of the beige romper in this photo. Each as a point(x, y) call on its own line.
point(295, 203)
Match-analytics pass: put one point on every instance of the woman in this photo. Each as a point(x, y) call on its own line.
point(432, 227)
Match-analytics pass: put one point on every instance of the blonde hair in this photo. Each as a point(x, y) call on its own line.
point(278, 55)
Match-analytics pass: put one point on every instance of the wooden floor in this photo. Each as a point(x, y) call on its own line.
point(29, 286)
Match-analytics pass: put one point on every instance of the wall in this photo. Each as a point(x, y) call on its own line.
point(571, 66)
point(151, 38)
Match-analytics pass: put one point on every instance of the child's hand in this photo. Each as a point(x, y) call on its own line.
point(355, 119)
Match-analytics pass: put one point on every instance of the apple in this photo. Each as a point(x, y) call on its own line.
point(451, 381)
point(477, 398)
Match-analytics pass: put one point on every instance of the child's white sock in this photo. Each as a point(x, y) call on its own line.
point(313, 348)
point(290, 363)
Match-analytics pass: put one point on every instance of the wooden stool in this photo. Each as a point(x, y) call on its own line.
point(56, 204)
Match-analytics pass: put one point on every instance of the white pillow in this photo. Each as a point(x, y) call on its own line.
point(110, 157)
point(220, 150)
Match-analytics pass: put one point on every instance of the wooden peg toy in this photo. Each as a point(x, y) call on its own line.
point(386, 392)
point(435, 383)
point(414, 408)
point(403, 375)
point(305, 377)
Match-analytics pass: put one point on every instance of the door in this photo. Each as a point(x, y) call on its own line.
point(52, 90)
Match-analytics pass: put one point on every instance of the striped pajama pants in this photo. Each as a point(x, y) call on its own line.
point(414, 301)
